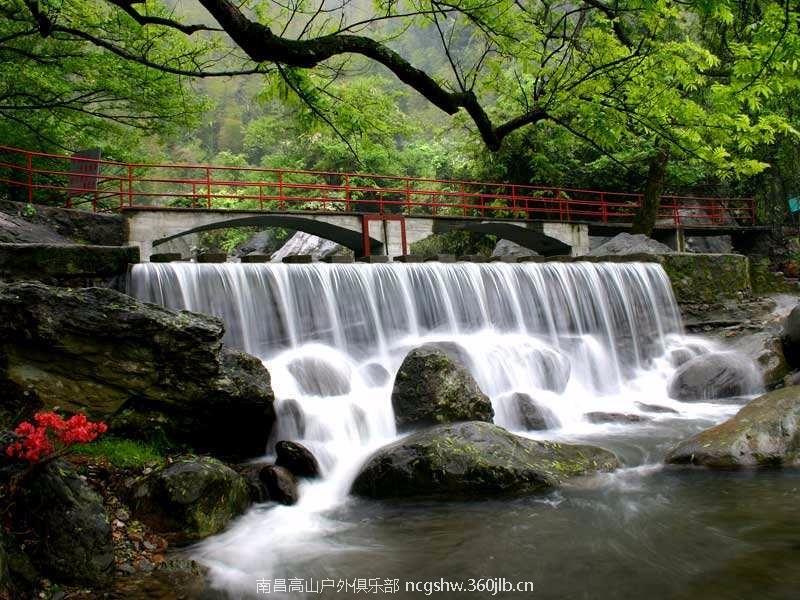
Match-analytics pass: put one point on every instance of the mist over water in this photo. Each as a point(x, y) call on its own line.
point(576, 337)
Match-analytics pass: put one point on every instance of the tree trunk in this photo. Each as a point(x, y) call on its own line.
point(645, 219)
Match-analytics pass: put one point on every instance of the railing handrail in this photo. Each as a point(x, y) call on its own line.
point(526, 199)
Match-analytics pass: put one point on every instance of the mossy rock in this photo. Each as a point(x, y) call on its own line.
point(707, 278)
point(432, 387)
point(190, 499)
point(764, 280)
point(474, 460)
point(764, 433)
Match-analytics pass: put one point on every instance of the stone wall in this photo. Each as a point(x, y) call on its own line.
point(707, 278)
point(69, 265)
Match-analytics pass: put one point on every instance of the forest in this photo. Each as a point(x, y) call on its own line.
point(654, 96)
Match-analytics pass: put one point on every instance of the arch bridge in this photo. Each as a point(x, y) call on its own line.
point(368, 213)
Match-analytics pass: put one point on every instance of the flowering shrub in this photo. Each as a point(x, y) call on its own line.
point(51, 435)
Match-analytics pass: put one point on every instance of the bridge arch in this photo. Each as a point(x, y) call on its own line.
point(342, 235)
point(529, 237)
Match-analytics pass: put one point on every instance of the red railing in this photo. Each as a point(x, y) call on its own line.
point(106, 185)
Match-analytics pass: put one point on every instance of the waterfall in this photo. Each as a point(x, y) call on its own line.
point(574, 336)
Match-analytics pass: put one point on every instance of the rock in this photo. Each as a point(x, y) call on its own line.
point(432, 388)
point(707, 278)
point(297, 459)
point(532, 416)
point(709, 244)
point(764, 433)
point(46, 224)
point(552, 369)
point(655, 408)
point(474, 460)
point(375, 374)
point(70, 525)
point(291, 418)
point(281, 485)
point(255, 487)
point(5, 577)
point(509, 248)
point(305, 243)
point(263, 242)
point(190, 499)
point(713, 376)
point(766, 351)
point(318, 377)
point(790, 337)
point(136, 365)
point(599, 417)
point(625, 243)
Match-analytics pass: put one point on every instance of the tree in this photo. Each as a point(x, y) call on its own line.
point(613, 74)
point(61, 93)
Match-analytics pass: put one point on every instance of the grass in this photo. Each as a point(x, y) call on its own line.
point(122, 453)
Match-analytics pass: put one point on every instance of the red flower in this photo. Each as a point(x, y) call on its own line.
point(51, 435)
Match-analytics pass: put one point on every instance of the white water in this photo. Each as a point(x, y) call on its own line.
point(577, 337)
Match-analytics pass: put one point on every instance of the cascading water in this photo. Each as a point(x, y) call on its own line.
point(577, 337)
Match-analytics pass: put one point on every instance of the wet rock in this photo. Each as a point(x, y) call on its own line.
point(70, 525)
point(599, 417)
point(474, 460)
point(375, 374)
point(713, 376)
point(292, 421)
point(302, 243)
point(625, 243)
point(532, 416)
point(709, 244)
point(552, 369)
point(255, 486)
point(140, 367)
point(318, 377)
point(509, 248)
point(766, 351)
point(764, 433)
point(281, 485)
point(191, 498)
point(655, 408)
point(790, 337)
point(297, 459)
point(431, 388)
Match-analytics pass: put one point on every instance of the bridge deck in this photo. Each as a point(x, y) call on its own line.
point(110, 185)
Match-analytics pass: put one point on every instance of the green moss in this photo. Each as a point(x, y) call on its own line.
point(122, 453)
point(764, 280)
point(707, 278)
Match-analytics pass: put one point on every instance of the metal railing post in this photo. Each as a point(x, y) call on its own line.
point(130, 185)
point(603, 207)
point(347, 203)
point(208, 187)
point(281, 202)
point(29, 165)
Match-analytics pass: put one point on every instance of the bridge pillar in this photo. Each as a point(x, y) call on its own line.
point(576, 236)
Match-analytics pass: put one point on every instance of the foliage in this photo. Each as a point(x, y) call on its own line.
point(62, 93)
point(458, 243)
point(50, 435)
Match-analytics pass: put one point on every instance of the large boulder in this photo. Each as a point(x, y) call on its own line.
point(766, 351)
point(790, 337)
point(70, 526)
point(763, 433)
point(505, 248)
point(431, 387)
point(136, 365)
point(297, 459)
point(190, 499)
point(626, 243)
point(281, 485)
point(317, 377)
point(308, 244)
point(714, 376)
point(474, 460)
